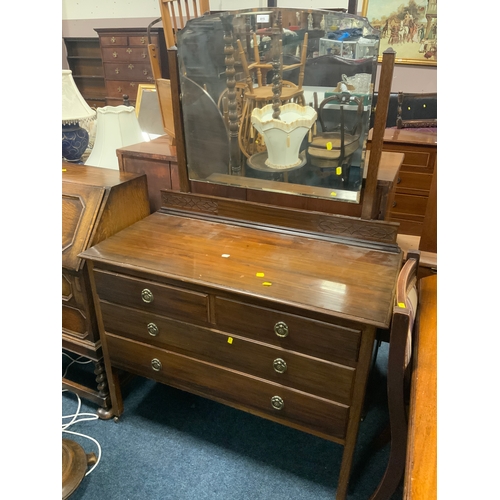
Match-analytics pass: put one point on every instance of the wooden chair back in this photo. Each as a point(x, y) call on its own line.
point(416, 110)
point(399, 373)
point(175, 14)
point(164, 92)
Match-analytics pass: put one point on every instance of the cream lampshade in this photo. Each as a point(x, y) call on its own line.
point(75, 111)
point(117, 127)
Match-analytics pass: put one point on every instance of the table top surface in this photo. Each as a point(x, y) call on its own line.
point(343, 280)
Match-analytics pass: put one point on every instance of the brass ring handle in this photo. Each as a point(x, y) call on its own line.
point(147, 296)
point(156, 364)
point(279, 365)
point(277, 403)
point(153, 329)
point(281, 329)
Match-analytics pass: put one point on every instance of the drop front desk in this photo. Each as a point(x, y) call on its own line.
point(269, 310)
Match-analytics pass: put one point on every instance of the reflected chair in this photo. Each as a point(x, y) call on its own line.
point(331, 151)
point(399, 374)
point(175, 13)
point(257, 96)
point(416, 110)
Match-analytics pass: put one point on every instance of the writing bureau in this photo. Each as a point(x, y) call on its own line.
point(269, 310)
point(96, 203)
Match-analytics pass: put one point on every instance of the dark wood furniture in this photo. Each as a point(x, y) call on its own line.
point(126, 62)
point(269, 310)
point(158, 160)
point(421, 461)
point(398, 375)
point(416, 109)
point(96, 203)
point(85, 62)
point(415, 177)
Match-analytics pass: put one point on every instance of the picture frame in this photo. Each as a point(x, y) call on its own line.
point(407, 26)
point(147, 109)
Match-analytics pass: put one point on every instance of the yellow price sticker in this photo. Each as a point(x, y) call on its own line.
point(338, 170)
point(402, 305)
point(230, 340)
point(266, 283)
point(329, 145)
point(333, 193)
point(259, 275)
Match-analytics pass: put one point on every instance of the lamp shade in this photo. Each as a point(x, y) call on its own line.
point(116, 127)
point(74, 107)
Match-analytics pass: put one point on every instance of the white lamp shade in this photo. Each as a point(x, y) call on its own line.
point(74, 107)
point(116, 127)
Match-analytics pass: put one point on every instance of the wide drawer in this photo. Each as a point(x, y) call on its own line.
point(113, 40)
point(128, 71)
point(152, 297)
point(118, 88)
point(311, 375)
point(125, 54)
point(143, 40)
point(315, 338)
point(247, 393)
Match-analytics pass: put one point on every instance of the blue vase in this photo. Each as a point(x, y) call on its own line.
point(75, 140)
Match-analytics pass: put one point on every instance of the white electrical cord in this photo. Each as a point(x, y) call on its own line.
point(78, 417)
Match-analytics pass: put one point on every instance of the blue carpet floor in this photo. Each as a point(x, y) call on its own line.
point(171, 445)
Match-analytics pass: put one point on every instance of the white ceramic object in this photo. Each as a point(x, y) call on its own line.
point(284, 136)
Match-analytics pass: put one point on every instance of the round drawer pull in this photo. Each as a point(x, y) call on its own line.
point(153, 329)
point(156, 364)
point(399, 180)
point(281, 329)
point(147, 296)
point(279, 365)
point(277, 403)
point(394, 204)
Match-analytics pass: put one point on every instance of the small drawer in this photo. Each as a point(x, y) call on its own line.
point(412, 181)
point(252, 394)
point(113, 40)
point(416, 159)
point(152, 297)
point(142, 40)
point(315, 338)
point(116, 88)
point(407, 203)
point(321, 378)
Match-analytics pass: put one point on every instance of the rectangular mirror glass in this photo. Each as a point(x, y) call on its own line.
point(278, 99)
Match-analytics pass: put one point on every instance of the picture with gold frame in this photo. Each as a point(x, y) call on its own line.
point(407, 26)
point(147, 109)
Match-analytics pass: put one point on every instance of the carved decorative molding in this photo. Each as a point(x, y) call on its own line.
point(358, 229)
point(194, 204)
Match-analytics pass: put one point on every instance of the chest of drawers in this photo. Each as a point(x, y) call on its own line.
point(415, 176)
point(96, 203)
point(126, 62)
point(278, 323)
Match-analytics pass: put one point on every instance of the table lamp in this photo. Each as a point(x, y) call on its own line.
point(116, 127)
point(75, 111)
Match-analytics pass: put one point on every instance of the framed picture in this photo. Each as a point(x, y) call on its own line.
point(147, 109)
point(408, 26)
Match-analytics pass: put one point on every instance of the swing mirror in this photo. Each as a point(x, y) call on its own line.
point(278, 100)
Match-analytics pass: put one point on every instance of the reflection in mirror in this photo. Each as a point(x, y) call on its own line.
point(278, 100)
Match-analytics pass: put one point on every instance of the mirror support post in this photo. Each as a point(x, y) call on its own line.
point(384, 91)
point(180, 143)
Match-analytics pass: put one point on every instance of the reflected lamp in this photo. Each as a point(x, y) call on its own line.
point(75, 112)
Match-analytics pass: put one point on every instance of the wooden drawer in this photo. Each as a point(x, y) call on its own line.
point(140, 72)
point(125, 54)
point(407, 203)
point(245, 392)
point(315, 338)
point(314, 376)
point(416, 159)
point(142, 40)
point(113, 40)
point(174, 302)
point(117, 88)
point(414, 183)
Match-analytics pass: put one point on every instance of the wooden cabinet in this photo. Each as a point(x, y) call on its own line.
point(158, 160)
point(85, 62)
point(415, 176)
point(96, 203)
point(276, 321)
point(126, 64)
